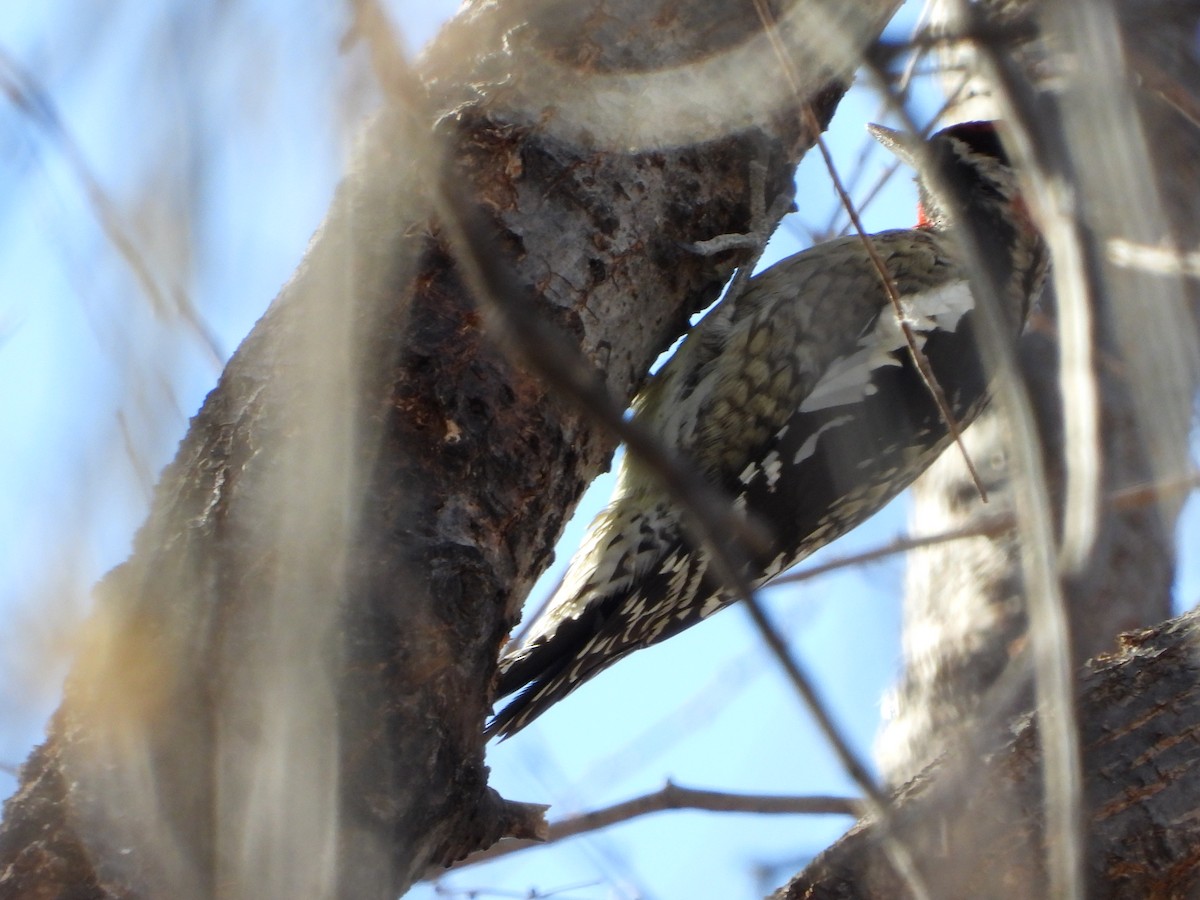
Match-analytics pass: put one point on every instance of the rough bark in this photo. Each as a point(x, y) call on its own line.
point(965, 620)
point(975, 826)
point(282, 691)
point(981, 830)
point(965, 617)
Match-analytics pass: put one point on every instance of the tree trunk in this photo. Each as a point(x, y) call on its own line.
point(282, 691)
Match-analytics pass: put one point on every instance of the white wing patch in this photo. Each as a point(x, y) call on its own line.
point(848, 380)
point(943, 307)
point(809, 447)
point(773, 468)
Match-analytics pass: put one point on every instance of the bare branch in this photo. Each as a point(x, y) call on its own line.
point(889, 284)
point(673, 797)
point(1133, 497)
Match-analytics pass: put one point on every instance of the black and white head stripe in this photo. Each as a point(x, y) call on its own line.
point(980, 138)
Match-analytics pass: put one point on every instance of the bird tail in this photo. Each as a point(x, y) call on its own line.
point(661, 603)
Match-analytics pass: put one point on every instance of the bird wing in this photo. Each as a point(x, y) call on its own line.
point(810, 327)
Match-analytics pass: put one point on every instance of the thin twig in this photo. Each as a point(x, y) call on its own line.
point(755, 241)
point(990, 526)
point(874, 799)
point(527, 894)
point(1155, 78)
point(673, 797)
point(1157, 260)
point(918, 356)
point(1039, 562)
point(889, 285)
point(1133, 497)
point(889, 172)
point(27, 95)
point(897, 852)
point(903, 86)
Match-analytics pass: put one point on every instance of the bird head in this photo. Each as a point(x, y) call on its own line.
point(967, 161)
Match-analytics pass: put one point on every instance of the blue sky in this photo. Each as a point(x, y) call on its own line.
point(219, 134)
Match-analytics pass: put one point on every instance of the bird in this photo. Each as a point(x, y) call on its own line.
point(800, 401)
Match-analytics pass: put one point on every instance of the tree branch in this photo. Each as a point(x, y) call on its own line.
point(979, 824)
point(673, 797)
point(282, 692)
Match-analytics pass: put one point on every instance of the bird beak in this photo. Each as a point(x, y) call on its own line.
point(907, 147)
